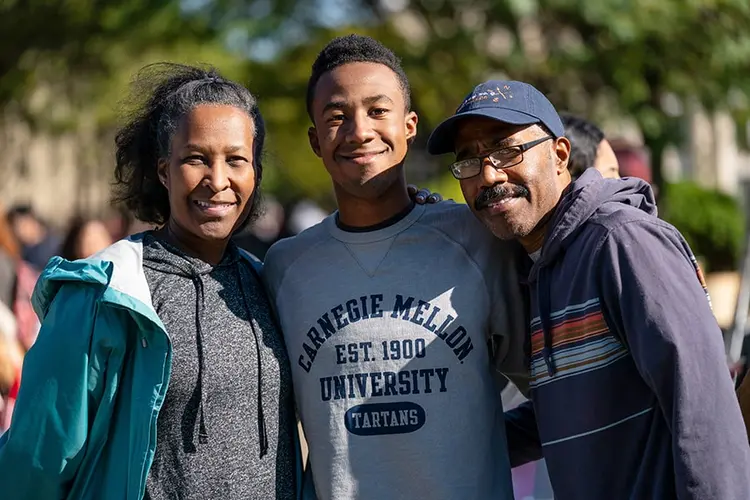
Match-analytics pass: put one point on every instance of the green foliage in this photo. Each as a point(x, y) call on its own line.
point(58, 41)
point(613, 57)
point(713, 223)
point(598, 59)
point(66, 63)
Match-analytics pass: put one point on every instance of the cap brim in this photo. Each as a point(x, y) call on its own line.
point(443, 138)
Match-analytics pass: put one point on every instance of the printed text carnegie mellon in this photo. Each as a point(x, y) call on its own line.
point(420, 312)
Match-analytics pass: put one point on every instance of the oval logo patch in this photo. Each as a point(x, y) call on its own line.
point(384, 418)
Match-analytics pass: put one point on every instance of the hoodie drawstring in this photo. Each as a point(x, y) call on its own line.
point(185, 270)
point(262, 434)
point(543, 299)
point(199, 305)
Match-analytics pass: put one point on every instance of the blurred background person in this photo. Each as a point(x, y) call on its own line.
point(18, 322)
point(38, 242)
point(265, 231)
point(10, 254)
point(85, 237)
point(302, 215)
point(17, 281)
point(119, 222)
point(589, 148)
point(633, 160)
point(11, 360)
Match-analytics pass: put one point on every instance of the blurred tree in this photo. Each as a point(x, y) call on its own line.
point(72, 37)
point(65, 66)
point(647, 59)
point(62, 59)
point(715, 232)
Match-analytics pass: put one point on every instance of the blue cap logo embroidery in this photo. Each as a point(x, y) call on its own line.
point(493, 93)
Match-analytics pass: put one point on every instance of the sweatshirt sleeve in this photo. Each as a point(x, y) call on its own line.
point(654, 298)
point(509, 316)
point(524, 444)
point(41, 452)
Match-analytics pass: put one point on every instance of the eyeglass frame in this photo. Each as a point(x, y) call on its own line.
point(521, 148)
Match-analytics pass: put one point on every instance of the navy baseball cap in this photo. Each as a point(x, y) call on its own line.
point(517, 103)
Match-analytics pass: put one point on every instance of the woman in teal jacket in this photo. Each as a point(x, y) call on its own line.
point(159, 371)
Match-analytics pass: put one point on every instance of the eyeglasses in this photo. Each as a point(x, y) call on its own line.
point(500, 158)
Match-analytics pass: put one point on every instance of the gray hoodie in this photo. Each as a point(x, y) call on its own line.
point(225, 428)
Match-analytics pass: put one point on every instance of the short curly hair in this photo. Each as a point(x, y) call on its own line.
point(350, 49)
point(161, 95)
point(584, 138)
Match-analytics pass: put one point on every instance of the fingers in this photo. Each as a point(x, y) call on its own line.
point(422, 196)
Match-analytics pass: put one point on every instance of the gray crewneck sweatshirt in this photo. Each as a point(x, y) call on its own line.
point(387, 333)
point(225, 428)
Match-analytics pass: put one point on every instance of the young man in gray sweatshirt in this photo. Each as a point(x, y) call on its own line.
point(392, 312)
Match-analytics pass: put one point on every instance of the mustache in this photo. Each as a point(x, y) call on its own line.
point(498, 192)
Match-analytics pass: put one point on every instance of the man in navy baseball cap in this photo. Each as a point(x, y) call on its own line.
point(508, 124)
point(625, 356)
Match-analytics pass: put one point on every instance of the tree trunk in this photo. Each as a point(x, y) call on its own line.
point(656, 145)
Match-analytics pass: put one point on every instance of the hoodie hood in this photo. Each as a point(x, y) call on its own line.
point(580, 201)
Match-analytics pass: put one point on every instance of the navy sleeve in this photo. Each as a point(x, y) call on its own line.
point(654, 297)
point(524, 444)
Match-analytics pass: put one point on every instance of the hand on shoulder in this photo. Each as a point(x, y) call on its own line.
point(423, 196)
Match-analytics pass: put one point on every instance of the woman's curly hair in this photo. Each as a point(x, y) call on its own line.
point(161, 95)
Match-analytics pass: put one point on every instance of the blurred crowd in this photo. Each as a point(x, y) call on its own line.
point(28, 242)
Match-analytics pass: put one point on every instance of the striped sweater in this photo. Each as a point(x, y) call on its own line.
point(629, 384)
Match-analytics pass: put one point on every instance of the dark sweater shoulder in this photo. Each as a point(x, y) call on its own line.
point(605, 222)
point(610, 216)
